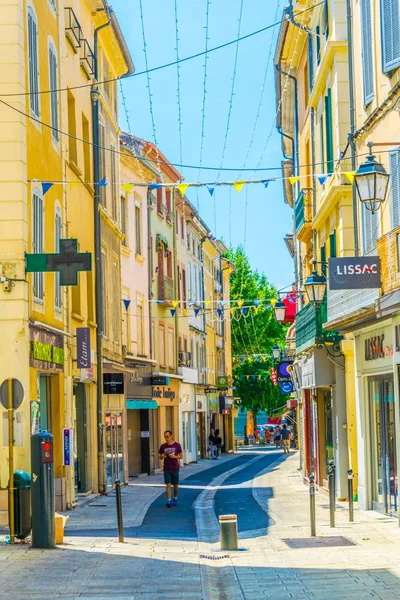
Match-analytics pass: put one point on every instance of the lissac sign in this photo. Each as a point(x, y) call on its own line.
point(354, 273)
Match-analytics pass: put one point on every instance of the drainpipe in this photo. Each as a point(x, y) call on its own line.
point(95, 95)
point(150, 271)
point(295, 141)
point(352, 119)
point(289, 137)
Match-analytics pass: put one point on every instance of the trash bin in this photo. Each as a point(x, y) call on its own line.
point(22, 504)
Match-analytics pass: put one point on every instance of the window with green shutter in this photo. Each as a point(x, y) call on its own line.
point(318, 43)
point(367, 54)
point(394, 160)
point(332, 245)
point(323, 260)
point(321, 144)
point(329, 131)
point(390, 19)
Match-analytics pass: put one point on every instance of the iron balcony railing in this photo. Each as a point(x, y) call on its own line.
point(73, 29)
point(165, 288)
point(302, 209)
point(309, 327)
point(87, 58)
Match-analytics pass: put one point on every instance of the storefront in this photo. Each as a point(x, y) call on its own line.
point(142, 436)
point(187, 420)
point(114, 441)
point(376, 409)
point(166, 393)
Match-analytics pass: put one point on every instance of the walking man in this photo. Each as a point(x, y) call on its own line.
point(171, 453)
point(212, 444)
point(285, 433)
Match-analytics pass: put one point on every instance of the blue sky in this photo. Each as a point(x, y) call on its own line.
point(268, 218)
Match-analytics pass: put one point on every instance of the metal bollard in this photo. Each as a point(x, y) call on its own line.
point(312, 506)
point(119, 511)
point(228, 532)
point(331, 479)
point(350, 492)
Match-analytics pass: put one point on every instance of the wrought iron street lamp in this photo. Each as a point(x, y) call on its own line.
point(315, 286)
point(280, 311)
point(276, 352)
point(371, 181)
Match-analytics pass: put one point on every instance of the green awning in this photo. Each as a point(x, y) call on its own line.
point(138, 404)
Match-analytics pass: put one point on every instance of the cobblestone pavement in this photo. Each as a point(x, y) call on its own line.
point(174, 553)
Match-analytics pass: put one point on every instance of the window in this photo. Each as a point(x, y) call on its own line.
point(321, 144)
point(370, 229)
point(168, 202)
point(153, 340)
point(367, 54)
point(114, 189)
point(73, 155)
point(394, 158)
point(58, 235)
point(115, 283)
point(189, 280)
point(138, 229)
point(86, 148)
point(161, 345)
point(38, 243)
point(178, 283)
point(54, 94)
point(390, 17)
point(104, 282)
point(323, 260)
point(182, 228)
point(106, 78)
point(140, 329)
point(124, 221)
point(169, 265)
point(318, 44)
point(184, 297)
point(195, 294)
point(159, 201)
point(171, 348)
point(329, 131)
point(52, 4)
point(102, 139)
point(33, 62)
point(332, 245)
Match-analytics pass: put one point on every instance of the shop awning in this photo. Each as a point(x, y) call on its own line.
point(141, 404)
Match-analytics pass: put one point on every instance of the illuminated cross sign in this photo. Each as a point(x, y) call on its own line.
point(67, 262)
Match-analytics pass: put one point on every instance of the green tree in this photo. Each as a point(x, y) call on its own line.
point(254, 332)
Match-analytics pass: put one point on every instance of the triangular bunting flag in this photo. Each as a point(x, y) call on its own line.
point(249, 359)
point(350, 175)
point(184, 312)
point(182, 187)
point(219, 312)
point(190, 304)
point(127, 187)
point(293, 180)
point(232, 311)
point(196, 311)
point(126, 304)
point(211, 187)
point(73, 184)
point(154, 186)
point(240, 303)
point(172, 311)
point(267, 306)
point(247, 376)
point(322, 178)
point(256, 308)
point(175, 303)
point(265, 358)
point(103, 182)
point(160, 301)
point(241, 359)
point(245, 310)
point(273, 302)
point(256, 302)
point(207, 303)
point(45, 187)
point(265, 182)
point(223, 302)
point(254, 377)
point(238, 185)
point(259, 377)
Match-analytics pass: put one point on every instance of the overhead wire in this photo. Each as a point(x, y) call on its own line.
point(203, 110)
point(178, 90)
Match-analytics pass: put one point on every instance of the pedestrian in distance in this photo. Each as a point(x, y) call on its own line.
point(277, 437)
point(285, 433)
point(212, 444)
point(218, 442)
point(171, 453)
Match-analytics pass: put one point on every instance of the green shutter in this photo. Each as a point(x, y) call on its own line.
point(329, 131)
point(323, 260)
point(318, 43)
point(332, 245)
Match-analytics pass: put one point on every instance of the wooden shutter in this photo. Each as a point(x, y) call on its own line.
point(370, 229)
point(102, 152)
point(329, 131)
point(323, 260)
point(54, 93)
point(395, 187)
point(332, 245)
point(390, 16)
point(367, 50)
point(33, 63)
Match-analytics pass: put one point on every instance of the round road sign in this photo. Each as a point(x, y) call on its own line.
point(18, 393)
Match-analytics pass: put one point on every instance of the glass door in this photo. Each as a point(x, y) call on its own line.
point(383, 445)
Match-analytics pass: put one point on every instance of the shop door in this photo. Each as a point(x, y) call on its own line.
point(81, 437)
point(113, 446)
point(383, 445)
point(329, 452)
point(44, 397)
point(154, 441)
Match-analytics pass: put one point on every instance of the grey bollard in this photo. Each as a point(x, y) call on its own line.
point(228, 532)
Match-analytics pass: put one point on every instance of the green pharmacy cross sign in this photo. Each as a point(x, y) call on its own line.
point(67, 262)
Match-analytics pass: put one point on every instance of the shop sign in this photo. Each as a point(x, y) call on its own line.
point(162, 380)
point(67, 444)
point(113, 383)
point(286, 387)
point(213, 403)
point(87, 375)
point(47, 349)
point(375, 348)
point(83, 347)
point(163, 393)
point(222, 382)
point(138, 384)
point(284, 368)
point(354, 273)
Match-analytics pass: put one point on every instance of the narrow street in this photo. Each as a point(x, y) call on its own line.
point(174, 553)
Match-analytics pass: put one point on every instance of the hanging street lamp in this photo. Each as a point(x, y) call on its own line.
point(315, 287)
point(280, 311)
point(276, 352)
point(371, 181)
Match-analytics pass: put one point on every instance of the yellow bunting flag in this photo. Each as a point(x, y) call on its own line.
point(257, 308)
point(240, 303)
point(127, 187)
point(293, 180)
point(207, 303)
point(249, 359)
point(350, 175)
point(238, 185)
point(247, 376)
point(175, 303)
point(259, 377)
point(232, 311)
point(185, 312)
point(72, 184)
point(182, 187)
point(265, 358)
point(273, 302)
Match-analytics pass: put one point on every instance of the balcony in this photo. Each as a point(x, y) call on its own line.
point(309, 327)
point(165, 288)
point(388, 247)
point(189, 375)
point(87, 59)
point(73, 30)
point(303, 215)
point(185, 359)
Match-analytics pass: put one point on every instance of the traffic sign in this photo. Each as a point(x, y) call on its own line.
point(18, 393)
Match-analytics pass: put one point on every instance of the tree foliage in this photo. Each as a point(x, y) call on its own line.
point(254, 333)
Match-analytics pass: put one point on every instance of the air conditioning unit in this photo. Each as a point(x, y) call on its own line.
point(185, 359)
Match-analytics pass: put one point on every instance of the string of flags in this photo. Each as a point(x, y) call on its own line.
point(258, 377)
point(183, 187)
point(208, 309)
point(251, 358)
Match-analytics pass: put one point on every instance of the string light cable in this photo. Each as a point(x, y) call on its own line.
point(166, 65)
